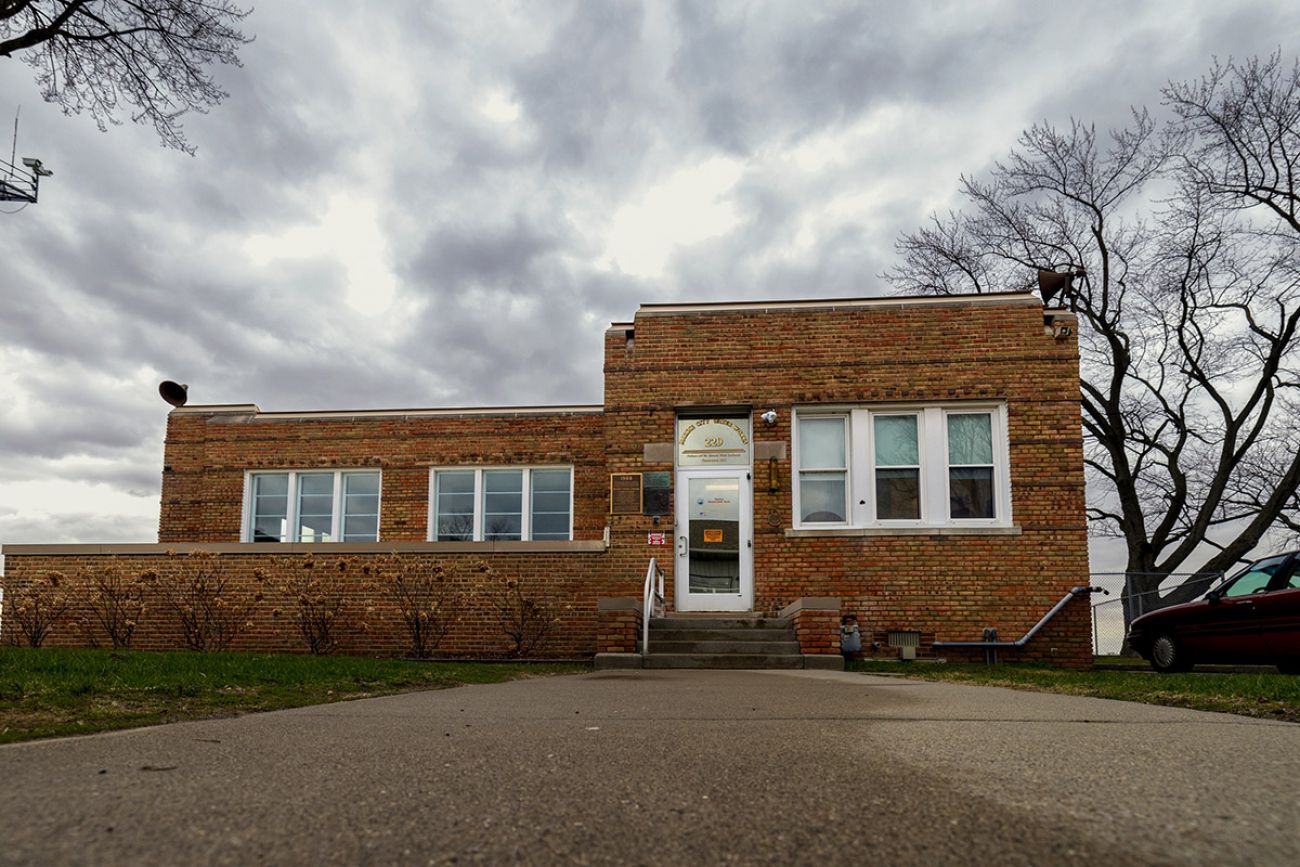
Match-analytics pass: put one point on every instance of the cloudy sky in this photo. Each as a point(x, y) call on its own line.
point(445, 203)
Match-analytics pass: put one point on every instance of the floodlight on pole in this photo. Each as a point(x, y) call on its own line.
point(22, 184)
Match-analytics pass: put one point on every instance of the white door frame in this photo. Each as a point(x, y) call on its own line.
point(685, 600)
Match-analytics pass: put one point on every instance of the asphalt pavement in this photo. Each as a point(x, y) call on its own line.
point(669, 767)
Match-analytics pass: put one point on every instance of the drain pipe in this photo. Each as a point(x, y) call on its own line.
point(991, 645)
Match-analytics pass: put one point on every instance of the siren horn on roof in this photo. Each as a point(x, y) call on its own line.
point(1051, 283)
point(174, 393)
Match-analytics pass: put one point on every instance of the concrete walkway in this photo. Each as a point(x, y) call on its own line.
point(692, 767)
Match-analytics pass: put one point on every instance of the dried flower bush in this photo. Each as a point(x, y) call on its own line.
point(318, 596)
point(115, 597)
point(524, 615)
point(36, 609)
point(208, 605)
point(424, 596)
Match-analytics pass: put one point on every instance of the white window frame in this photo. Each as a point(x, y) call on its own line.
point(849, 493)
point(526, 499)
point(932, 446)
point(867, 418)
point(1001, 468)
point(291, 509)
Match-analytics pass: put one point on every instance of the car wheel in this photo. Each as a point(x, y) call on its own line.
point(1290, 666)
point(1167, 655)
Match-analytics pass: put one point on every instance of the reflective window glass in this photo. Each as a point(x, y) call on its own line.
point(360, 507)
point(503, 500)
point(896, 443)
point(549, 518)
point(269, 517)
point(454, 505)
point(821, 443)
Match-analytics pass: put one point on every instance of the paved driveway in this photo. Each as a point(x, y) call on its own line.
point(694, 767)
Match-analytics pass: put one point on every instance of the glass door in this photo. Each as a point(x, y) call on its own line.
point(714, 543)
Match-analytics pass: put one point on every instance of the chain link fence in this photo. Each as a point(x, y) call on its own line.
point(1112, 614)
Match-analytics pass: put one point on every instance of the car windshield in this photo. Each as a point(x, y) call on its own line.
point(1253, 579)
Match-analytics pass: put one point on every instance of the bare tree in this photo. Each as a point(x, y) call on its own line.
point(1188, 308)
point(89, 55)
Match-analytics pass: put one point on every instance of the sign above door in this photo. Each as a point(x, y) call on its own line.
point(712, 442)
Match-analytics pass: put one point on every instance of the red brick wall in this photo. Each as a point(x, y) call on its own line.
point(946, 587)
point(818, 631)
point(567, 583)
point(206, 458)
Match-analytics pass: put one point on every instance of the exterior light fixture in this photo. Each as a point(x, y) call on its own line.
point(769, 417)
point(773, 476)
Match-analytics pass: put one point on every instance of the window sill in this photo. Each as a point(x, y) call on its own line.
point(938, 530)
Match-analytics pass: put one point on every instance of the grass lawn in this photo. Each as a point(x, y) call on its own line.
point(1266, 695)
point(57, 691)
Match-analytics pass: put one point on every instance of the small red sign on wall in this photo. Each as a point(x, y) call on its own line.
point(656, 538)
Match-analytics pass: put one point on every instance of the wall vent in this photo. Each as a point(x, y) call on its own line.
point(904, 639)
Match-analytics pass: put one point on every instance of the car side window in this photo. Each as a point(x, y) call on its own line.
point(1255, 579)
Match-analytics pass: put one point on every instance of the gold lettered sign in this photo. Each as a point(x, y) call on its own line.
point(625, 493)
point(713, 442)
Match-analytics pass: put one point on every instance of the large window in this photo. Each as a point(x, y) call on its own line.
point(312, 506)
point(823, 470)
point(507, 504)
point(897, 467)
point(902, 466)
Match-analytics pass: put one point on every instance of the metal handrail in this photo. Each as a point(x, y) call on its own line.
point(994, 644)
point(649, 598)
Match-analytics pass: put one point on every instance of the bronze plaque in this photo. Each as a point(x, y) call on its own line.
point(625, 493)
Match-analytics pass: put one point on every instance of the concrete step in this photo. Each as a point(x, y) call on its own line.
point(713, 622)
point(657, 635)
point(722, 660)
point(770, 648)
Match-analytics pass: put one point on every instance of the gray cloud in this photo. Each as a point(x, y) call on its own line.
point(846, 123)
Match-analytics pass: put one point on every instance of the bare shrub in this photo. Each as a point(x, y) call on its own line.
point(318, 596)
point(116, 602)
point(209, 606)
point(524, 615)
point(37, 608)
point(424, 596)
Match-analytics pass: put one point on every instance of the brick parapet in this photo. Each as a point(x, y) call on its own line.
point(568, 584)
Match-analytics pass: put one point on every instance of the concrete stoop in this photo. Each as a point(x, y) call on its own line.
point(736, 641)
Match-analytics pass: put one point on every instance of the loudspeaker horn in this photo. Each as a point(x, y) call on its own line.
point(1051, 283)
point(174, 393)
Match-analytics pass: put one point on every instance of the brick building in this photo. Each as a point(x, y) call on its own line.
point(916, 462)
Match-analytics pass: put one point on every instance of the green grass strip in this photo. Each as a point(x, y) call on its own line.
point(1264, 695)
point(59, 691)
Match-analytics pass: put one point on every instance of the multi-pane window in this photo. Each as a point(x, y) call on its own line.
point(897, 463)
point(970, 465)
point(550, 505)
point(900, 466)
point(313, 506)
point(823, 470)
point(453, 505)
point(502, 505)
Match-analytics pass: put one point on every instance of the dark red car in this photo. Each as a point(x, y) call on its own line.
point(1252, 618)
